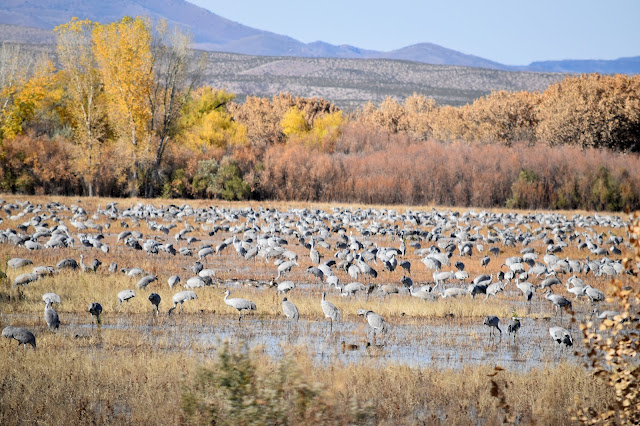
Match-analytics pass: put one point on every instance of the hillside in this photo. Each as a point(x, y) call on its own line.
point(349, 83)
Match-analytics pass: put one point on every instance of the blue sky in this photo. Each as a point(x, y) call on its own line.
point(512, 32)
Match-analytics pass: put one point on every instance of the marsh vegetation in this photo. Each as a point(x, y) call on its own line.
point(436, 362)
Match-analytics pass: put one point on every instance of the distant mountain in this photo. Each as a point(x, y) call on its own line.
point(430, 53)
point(621, 66)
point(215, 33)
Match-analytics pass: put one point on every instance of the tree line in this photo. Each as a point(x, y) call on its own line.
point(122, 111)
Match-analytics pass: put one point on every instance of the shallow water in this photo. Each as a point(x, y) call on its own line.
point(448, 343)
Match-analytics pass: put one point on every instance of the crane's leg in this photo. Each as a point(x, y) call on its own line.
point(330, 325)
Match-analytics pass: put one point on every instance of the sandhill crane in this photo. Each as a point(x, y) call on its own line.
point(376, 322)
point(561, 335)
point(365, 269)
point(474, 289)
point(577, 291)
point(424, 293)
point(173, 280)
point(513, 327)
point(610, 315)
point(485, 261)
point(83, 267)
point(285, 267)
point(492, 321)
point(559, 301)
point(289, 309)
point(330, 311)
point(67, 264)
point(387, 289)
point(24, 279)
point(353, 271)
point(351, 288)
point(145, 281)
point(593, 294)
point(453, 292)
point(18, 262)
point(155, 299)
point(333, 280)
point(51, 317)
point(527, 289)
point(22, 335)
point(95, 309)
point(406, 265)
point(441, 277)
point(239, 304)
point(125, 295)
point(50, 298)
point(203, 253)
point(316, 272)
point(494, 289)
point(196, 267)
point(406, 281)
point(313, 253)
point(461, 275)
point(286, 286)
point(549, 282)
point(181, 297)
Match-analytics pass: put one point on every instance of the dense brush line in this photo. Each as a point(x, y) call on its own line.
point(387, 169)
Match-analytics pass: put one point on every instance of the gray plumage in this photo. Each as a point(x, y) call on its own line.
point(527, 289)
point(173, 280)
point(594, 294)
point(513, 327)
point(285, 267)
point(95, 309)
point(51, 317)
point(559, 301)
point(286, 286)
point(492, 321)
point(351, 288)
point(376, 322)
point(181, 297)
point(18, 262)
point(289, 309)
point(22, 335)
point(125, 295)
point(202, 254)
point(145, 281)
point(155, 300)
point(239, 304)
point(561, 335)
point(67, 264)
point(24, 279)
point(330, 310)
point(50, 298)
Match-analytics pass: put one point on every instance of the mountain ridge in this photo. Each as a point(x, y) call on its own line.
point(215, 33)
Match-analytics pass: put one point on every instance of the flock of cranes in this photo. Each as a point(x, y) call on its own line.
point(339, 244)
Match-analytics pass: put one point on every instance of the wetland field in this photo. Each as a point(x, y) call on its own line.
point(421, 350)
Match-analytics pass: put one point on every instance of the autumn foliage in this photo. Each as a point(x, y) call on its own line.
point(124, 115)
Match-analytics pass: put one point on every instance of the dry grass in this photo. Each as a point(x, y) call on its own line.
point(108, 380)
point(136, 368)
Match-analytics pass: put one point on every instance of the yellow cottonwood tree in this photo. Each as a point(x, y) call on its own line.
point(76, 58)
point(122, 51)
point(206, 123)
